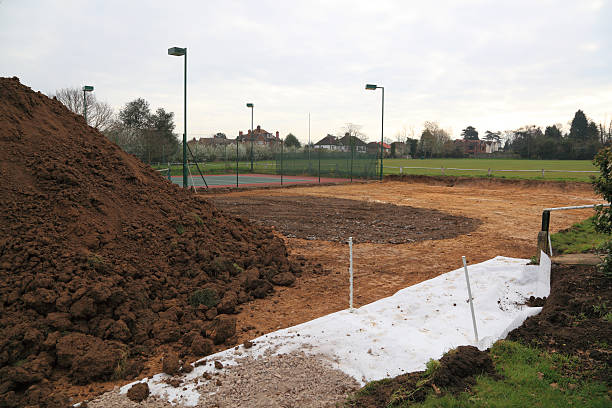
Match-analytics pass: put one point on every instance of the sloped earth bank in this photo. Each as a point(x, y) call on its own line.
point(102, 261)
point(572, 321)
point(576, 319)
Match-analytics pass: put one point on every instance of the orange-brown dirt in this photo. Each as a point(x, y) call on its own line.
point(510, 212)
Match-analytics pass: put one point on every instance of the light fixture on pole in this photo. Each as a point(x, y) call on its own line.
point(371, 87)
point(179, 52)
point(250, 105)
point(86, 88)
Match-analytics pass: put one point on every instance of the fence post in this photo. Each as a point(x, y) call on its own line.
point(351, 274)
point(542, 173)
point(281, 163)
point(489, 172)
point(442, 168)
point(319, 150)
point(169, 172)
point(236, 162)
point(401, 168)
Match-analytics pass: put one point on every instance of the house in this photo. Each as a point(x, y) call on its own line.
point(374, 147)
point(259, 137)
point(399, 149)
point(349, 141)
point(493, 146)
point(329, 142)
point(475, 147)
point(218, 139)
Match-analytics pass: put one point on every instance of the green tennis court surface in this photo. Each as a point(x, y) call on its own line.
point(247, 180)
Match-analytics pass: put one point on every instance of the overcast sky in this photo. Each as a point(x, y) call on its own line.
point(495, 65)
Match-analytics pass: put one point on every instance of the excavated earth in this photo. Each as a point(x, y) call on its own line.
point(102, 261)
point(335, 219)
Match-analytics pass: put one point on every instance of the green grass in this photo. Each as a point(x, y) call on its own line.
point(580, 237)
point(481, 167)
point(392, 166)
point(530, 378)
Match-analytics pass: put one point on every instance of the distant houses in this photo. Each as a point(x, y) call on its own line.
point(343, 144)
point(260, 137)
point(475, 147)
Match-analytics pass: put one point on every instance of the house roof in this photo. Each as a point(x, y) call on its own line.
point(385, 145)
point(352, 140)
point(329, 140)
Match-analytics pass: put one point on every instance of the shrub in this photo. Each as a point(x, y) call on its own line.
point(206, 296)
point(603, 217)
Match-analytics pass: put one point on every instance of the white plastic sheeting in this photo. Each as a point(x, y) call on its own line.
point(400, 333)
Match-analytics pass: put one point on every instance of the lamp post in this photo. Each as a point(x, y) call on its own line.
point(179, 52)
point(86, 88)
point(250, 105)
point(372, 87)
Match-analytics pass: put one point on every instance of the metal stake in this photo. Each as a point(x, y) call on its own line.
point(467, 279)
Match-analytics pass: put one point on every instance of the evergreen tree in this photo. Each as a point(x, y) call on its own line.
point(470, 133)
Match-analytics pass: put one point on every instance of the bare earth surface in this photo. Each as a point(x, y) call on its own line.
point(284, 380)
point(510, 215)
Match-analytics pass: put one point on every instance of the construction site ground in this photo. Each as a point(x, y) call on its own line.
point(509, 211)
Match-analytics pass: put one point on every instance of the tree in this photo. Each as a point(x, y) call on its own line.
point(100, 115)
point(469, 133)
point(136, 114)
point(353, 130)
point(493, 136)
point(553, 132)
point(433, 139)
point(148, 136)
point(292, 141)
point(603, 217)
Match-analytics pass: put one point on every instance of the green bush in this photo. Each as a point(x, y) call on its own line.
point(603, 217)
point(206, 296)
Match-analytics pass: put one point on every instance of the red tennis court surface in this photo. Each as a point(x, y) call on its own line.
point(251, 180)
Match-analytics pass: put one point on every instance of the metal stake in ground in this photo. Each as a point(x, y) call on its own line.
point(351, 274)
point(467, 279)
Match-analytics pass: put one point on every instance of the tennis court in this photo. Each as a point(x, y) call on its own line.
point(251, 180)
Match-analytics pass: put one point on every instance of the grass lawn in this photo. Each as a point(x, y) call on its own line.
point(529, 378)
point(580, 237)
point(479, 168)
point(532, 378)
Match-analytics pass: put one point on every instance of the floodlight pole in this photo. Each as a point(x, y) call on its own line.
point(86, 88)
point(178, 52)
point(185, 123)
point(252, 106)
point(372, 87)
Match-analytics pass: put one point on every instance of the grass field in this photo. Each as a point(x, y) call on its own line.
point(477, 168)
point(480, 168)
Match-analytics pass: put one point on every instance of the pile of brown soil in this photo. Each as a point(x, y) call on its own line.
point(575, 318)
point(336, 219)
point(456, 372)
point(102, 260)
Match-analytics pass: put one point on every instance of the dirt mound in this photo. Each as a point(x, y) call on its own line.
point(455, 372)
point(336, 219)
point(459, 367)
point(575, 318)
point(102, 260)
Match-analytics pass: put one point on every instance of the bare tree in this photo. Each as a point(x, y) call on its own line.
point(353, 130)
point(605, 132)
point(100, 115)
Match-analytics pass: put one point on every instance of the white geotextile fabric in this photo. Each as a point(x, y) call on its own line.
point(400, 333)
